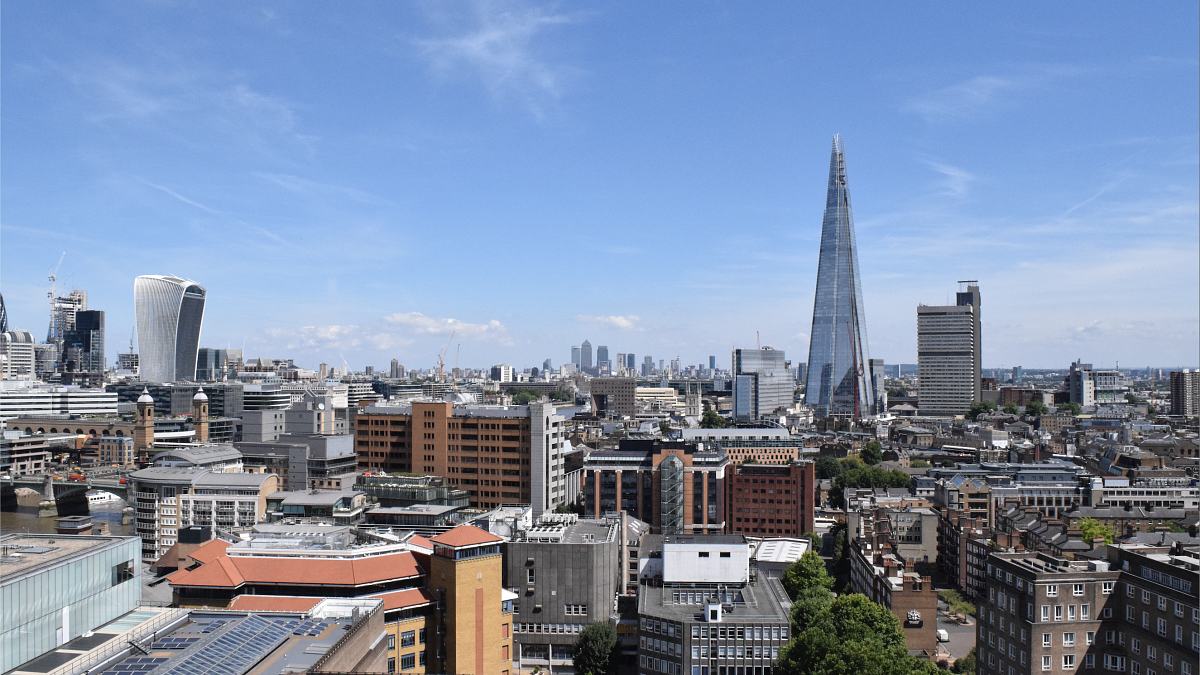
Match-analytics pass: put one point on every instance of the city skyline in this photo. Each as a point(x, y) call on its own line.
point(282, 194)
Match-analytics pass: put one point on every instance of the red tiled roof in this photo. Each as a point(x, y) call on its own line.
point(409, 597)
point(418, 540)
point(465, 535)
point(273, 603)
point(232, 571)
point(210, 551)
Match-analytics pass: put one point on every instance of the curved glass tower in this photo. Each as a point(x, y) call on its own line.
point(837, 350)
point(169, 311)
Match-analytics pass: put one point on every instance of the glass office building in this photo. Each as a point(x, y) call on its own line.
point(837, 382)
point(762, 382)
point(55, 588)
point(170, 312)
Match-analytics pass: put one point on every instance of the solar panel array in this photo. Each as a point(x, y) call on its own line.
point(307, 628)
point(234, 651)
point(214, 625)
point(136, 665)
point(175, 642)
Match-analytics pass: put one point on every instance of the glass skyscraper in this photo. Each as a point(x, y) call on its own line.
point(170, 312)
point(837, 382)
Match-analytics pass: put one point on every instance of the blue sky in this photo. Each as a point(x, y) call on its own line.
point(355, 180)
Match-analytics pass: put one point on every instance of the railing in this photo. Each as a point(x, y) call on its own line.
point(117, 646)
point(349, 633)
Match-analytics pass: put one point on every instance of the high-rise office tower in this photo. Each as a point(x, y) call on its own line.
point(169, 312)
point(970, 297)
point(647, 366)
point(631, 362)
point(712, 363)
point(395, 369)
point(546, 369)
point(837, 381)
point(761, 382)
point(948, 356)
point(62, 314)
point(3, 315)
point(585, 355)
point(1018, 375)
point(878, 375)
point(575, 356)
point(83, 343)
point(1185, 393)
point(601, 354)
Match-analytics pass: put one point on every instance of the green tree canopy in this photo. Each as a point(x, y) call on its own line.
point(980, 408)
point(869, 476)
point(1069, 408)
point(1011, 409)
point(712, 420)
point(872, 453)
point(1036, 409)
point(849, 636)
point(920, 464)
point(965, 664)
point(1092, 528)
point(596, 651)
point(807, 572)
point(828, 467)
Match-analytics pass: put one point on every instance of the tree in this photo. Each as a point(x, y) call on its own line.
point(807, 572)
point(867, 476)
point(851, 636)
point(712, 420)
point(1092, 528)
point(1011, 409)
point(524, 397)
point(920, 464)
point(965, 664)
point(596, 651)
point(1036, 409)
point(981, 408)
point(872, 453)
point(1069, 408)
point(816, 540)
point(560, 395)
point(828, 467)
point(1131, 398)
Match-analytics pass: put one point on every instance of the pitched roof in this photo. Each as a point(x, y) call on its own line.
point(465, 535)
point(210, 551)
point(418, 540)
point(409, 597)
point(230, 572)
point(274, 603)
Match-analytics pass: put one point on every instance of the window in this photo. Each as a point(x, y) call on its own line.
point(1089, 661)
point(1168, 660)
point(1145, 596)
point(391, 665)
point(1070, 612)
point(1107, 587)
point(391, 642)
point(1106, 613)
point(724, 554)
point(408, 661)
point(1129, 590)
point(1090, 638)
point(421, 634)
point(1114, 662)
point(1058, 612)
point(1051, 590)
point(1109, 637)
point(1045, 612)
point(1046, 662)
point(529, 575)
point(1151, 653)
point(1162, 603)
point(703, 554)
point(1162, 627)
point(1076, 589)
point(1068, 662)
point(1046, 641)
point(1135, 645)
point(503, 652)
point(1130, 614)
point(408, 638)
point(122, 572)
point(1085, 613)
point(1068, 639)
point(1022, 636)
point(1179, 609)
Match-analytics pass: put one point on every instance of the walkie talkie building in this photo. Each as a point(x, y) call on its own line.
point(837, 382)
point(169, 311)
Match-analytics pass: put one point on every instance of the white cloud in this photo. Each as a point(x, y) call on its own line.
point(960, 100)
point(499, 48)
point(392, 331)
point(418, 323)
point(628, 322)
point(956, 181)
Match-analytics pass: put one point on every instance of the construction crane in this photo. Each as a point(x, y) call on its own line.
point(442, 359)
point(457, 353)
point(53, 276)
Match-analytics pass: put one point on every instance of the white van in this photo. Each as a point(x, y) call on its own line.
point(942, 635)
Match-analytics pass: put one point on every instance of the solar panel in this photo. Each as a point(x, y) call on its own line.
point(137, 665)
point(175, 642)
point(235, 650)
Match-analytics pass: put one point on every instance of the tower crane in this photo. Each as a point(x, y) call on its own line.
point(442, 358)
point(53, 276)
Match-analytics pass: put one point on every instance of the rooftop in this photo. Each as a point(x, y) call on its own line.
point(24, 554)
point(465, 535)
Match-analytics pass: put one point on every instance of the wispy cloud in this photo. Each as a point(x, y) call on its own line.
point(208, 209)
point(628, 322)
point(960, 100)
point(499, 47)
point(305, 186)
point(390, 332)
point(956, 181)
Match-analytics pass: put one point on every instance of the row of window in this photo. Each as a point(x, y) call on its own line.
point(407, 661)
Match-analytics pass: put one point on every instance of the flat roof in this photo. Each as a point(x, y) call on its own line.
point(704, 539)
point(415, 509)
point(764, 601)
point(25, 554)
point(310, 498)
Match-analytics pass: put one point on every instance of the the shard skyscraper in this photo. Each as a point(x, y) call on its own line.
point(838, 380)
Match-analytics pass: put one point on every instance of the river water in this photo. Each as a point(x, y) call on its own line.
point(26, 519)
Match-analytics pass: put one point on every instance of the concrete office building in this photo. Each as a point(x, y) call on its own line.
point(1185, 393)
point(566, 572)
point(613, 396)
point(22, 398)
point(17, 361)
point(699, 610)
point(1089, 387)
point(601, 354)
point(502, 373)
point(576, 356)
point(303, 461)
point(83, 348)
point(170, 311)
point(499, 454)
point(948, 358)
point(678, 488)
point(585, 355)
point(762, 383)
point(54, 589)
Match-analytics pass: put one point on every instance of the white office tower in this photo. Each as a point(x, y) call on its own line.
point(170, 311)
point(948, 358)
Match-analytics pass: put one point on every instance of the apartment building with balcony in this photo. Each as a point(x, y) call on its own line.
point(168, 498)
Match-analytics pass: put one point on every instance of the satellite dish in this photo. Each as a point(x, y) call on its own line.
point(320, 406)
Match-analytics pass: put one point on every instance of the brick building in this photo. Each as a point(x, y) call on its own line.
point(771, 499)
point(498, 454)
